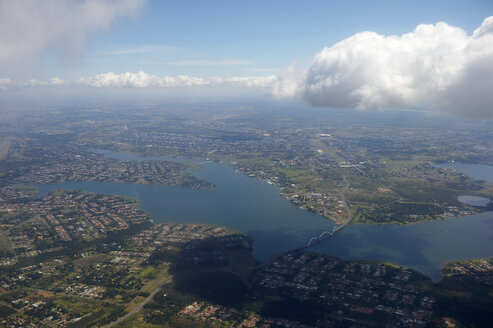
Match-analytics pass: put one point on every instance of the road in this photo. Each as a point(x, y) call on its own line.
point(138, 307)
point(316, 239)
point(348, 210)
point(12, 247)
point(4, 149)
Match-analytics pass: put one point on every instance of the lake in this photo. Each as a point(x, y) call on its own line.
point(476, 171)
point(276, 225)
point(239, 202)
point(474, 200)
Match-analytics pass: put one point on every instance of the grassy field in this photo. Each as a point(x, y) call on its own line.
point(89, 260)
point(137, 321)
point(155, 277)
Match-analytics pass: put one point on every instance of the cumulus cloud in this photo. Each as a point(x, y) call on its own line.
point(139, 80)
point(144, 80)
point(288, 82)
point(52, 81)
point(252, 81)
point(27, 27)
point(438, 66)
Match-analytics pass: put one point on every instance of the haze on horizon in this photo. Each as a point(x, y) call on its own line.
point(437, 57)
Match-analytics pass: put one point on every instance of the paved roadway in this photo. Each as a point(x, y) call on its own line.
point(138, 307)
point(4, 149)
point(349, 215)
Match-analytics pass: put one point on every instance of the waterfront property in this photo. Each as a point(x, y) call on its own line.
point(276, 225)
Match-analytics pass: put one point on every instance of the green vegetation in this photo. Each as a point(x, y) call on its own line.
point(400, 213)
point(80, 260)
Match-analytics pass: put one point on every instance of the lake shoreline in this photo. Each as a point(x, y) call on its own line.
point(277, 226)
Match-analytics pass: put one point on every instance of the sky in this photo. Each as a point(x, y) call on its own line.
point(367, 55)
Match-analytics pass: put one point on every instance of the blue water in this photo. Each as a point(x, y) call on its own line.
point(238, 202)
point(255, 208)
point(476, 171)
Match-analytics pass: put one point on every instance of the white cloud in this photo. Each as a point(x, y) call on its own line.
point(4, 83)
point(252, 81)
point(27, 27)
point(139, 80)
point(183, 81)
point(288, 82)
point(54, 81)
point(438, 66)
point(144, 80)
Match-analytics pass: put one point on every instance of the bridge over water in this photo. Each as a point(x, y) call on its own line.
point(326, 234)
